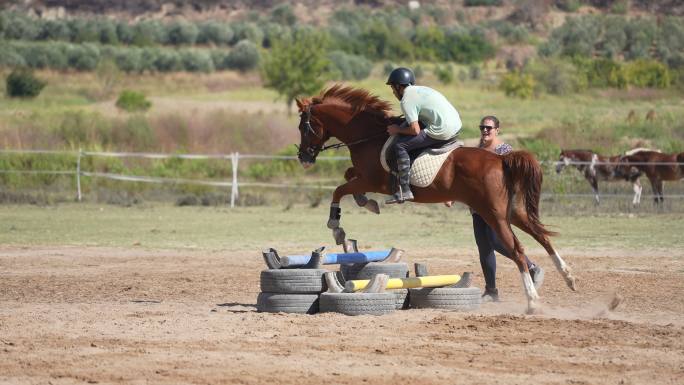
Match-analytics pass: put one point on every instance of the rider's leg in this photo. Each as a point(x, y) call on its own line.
point(405, 144)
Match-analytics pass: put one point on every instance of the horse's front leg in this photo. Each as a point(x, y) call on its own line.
point(360, 198)
point(354, 186)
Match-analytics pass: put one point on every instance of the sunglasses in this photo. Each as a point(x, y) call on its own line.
point(489, 128)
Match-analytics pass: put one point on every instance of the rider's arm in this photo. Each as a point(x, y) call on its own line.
point(411, 128)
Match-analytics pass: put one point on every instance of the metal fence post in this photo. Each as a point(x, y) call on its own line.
point(78, 174)
point(234, 157)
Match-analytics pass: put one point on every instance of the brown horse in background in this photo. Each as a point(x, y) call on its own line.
point(504, 190)
point(657, 166)
point(594, 167)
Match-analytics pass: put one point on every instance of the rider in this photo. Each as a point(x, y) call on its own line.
point(420, 105)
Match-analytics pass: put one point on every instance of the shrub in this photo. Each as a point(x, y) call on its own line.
point(283, 14)
point(648, 73)
point(83, 57)
point(243, 57)
point(128, 59)
point(107, 32)
point(44, 55)
point(132, 101)
point(54, 30)
point(556, 76)
point(148, 32)
point(168, 60)
point(349, 67)
point(22, 84)
point(468, 47)
point(474, 72)
point(182, 32)
point(518, 85)
point(215, 32)
point(125, 32)
point(20, 27)
point(196, 61)
point(602, 72)
point(10, 58)
point(83, 30)
point(445, 74)
point(247, 31)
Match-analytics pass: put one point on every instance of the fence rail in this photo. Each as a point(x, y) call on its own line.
point(234, 159)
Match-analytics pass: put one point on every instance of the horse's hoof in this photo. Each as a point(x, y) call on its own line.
point(572, 283)
point(534, 309)
point(372, 206)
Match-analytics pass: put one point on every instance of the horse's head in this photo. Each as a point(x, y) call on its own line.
point(623, 169)
point(312, 134)
point(563, 160)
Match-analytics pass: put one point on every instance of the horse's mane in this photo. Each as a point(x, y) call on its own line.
point(355, 98)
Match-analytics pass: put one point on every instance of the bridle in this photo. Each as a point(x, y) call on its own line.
point(313, 151)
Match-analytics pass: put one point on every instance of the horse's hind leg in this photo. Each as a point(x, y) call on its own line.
point(636, 186)
point(519, 219)
point(509, 241)
point(360, 198)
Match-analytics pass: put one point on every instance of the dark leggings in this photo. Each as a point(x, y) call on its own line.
point(487, 243)
point(406, 143)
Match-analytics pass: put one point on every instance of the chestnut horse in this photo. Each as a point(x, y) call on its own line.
point(657, 166)
point(594, 167)
point(504, 190)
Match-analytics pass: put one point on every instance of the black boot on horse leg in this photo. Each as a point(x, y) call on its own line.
point(334, 223)
point(403, 192)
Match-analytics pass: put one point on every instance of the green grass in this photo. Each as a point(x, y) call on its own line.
point(300, 228)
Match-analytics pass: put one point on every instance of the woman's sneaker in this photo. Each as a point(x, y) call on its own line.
point(490, 295)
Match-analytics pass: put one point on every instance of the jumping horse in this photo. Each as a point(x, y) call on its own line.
point(657, 166)
point(597, 167)
point(504, 190)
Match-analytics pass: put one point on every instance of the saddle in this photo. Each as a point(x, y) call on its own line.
point(425, 163)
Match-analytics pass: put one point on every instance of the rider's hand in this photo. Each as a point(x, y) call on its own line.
point(393, 129)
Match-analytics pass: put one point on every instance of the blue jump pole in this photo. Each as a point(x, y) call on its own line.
point(337, 258)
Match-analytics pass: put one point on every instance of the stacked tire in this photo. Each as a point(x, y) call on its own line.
point(291, 290)
point(369, 270)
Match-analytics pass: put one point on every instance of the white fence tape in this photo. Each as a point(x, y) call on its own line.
point(234, 159)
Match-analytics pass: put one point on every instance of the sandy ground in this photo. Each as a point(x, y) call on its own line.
point(102, 315)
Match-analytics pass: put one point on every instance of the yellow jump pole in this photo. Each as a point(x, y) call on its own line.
point(407, 283)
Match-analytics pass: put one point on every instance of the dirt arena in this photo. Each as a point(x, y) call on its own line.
point(113, 315)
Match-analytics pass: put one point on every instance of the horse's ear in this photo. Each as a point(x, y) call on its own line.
point(300, 104)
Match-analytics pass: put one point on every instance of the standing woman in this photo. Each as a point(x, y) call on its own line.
point(485, 237)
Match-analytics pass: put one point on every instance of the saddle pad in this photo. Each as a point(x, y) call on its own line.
point(426, 165)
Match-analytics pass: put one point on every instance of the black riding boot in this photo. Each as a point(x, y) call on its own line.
point(404, 189)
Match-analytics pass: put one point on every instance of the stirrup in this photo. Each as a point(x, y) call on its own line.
point(399, 197)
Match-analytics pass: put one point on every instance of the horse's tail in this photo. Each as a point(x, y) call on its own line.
point(523, 174)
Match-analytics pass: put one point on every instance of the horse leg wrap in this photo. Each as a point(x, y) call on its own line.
point(335, 215)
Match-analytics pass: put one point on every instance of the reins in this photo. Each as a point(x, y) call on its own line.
point(340, 145)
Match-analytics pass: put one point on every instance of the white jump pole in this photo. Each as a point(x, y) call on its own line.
point(78, 175)
point(234, 157)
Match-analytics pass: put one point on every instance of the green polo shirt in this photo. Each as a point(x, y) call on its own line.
point(431, 108)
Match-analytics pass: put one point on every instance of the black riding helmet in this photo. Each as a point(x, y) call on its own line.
point(401, 76)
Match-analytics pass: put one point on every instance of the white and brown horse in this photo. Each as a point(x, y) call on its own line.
point(594, 167)
point(657, 167)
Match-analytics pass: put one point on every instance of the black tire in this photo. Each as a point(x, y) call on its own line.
point(401, 298)
point(293, 281)
point(287, 303)
point(446, 298)
point(369, 270)
point(358, 303)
